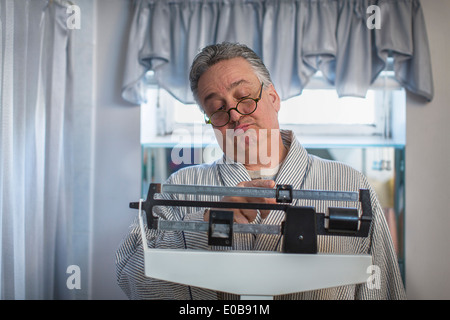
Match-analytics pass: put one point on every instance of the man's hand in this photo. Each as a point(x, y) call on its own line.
point(248, 215)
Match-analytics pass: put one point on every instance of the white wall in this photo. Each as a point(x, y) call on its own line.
point(427, 237)
point(117, 146)
point(117, 160)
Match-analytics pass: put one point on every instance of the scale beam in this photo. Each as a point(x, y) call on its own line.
point(299, 230)
point(280, 193)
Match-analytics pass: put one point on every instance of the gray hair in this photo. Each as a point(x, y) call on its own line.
point(212, 54)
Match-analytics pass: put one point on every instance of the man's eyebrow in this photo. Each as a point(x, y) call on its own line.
point(230, 87)
point(237, 83)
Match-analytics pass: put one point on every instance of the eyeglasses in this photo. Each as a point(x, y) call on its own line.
point(244, 106)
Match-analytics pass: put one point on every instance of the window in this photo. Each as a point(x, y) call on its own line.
point(318, 116)
point(312, 107)
point(322, 106)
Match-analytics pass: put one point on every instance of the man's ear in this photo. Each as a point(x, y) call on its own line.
point(274, 98)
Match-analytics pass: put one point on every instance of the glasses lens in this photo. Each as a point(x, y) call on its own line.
point(246, 106)
point(219, 118)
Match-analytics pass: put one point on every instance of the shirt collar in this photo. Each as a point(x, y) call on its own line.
point(292, 170)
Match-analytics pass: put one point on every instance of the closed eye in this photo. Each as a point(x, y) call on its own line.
point(244, 97)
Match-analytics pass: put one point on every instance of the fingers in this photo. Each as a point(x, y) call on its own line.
point(258, 183)
point(246, 215)
point(249, 215)
point(264, 213)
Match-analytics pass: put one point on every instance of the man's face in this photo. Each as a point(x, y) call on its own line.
point(222, 86)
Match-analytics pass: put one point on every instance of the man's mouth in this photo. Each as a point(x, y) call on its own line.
point(241, 128)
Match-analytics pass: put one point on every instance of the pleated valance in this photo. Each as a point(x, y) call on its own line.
point(349, 41)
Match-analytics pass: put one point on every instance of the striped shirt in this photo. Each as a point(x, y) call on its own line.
point(302, 171)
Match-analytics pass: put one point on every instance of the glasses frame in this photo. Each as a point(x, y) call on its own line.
point(208, 119)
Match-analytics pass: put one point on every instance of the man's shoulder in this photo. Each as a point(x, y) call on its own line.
point(319, 162)
point(335, 170)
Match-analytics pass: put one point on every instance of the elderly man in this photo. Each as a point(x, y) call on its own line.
point(233, 87)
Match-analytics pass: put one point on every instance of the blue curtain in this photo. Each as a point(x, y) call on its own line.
point(345, 39)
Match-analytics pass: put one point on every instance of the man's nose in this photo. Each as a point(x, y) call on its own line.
point(234, 115)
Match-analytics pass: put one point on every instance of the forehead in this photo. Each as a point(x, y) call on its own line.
point(224, 76)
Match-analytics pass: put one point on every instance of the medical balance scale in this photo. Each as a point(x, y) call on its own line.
point(297, 268)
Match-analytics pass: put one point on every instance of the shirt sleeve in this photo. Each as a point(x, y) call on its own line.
point(129, 258)
point(385, 281)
